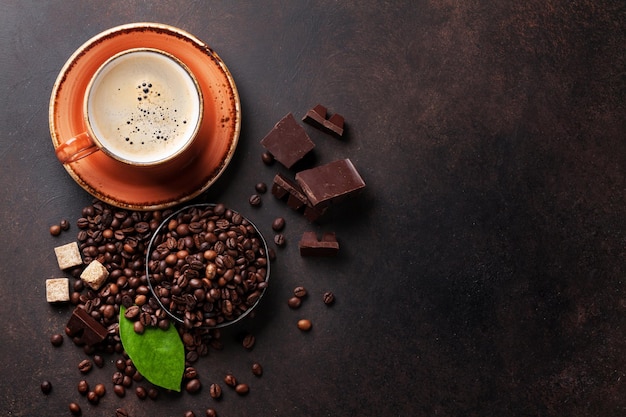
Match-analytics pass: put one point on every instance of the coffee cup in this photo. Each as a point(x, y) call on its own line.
point(143, 107)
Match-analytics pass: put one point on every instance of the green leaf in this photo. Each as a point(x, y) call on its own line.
point(159, 355)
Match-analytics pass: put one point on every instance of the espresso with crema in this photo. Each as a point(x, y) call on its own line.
point(143, 107)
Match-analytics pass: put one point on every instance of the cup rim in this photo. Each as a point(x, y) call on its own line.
point(150, 249)
point(198, 120)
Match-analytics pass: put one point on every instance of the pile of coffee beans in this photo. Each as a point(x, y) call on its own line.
point(208, 266)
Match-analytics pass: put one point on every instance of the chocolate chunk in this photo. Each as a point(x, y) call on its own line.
point(283, 188)
point(330, 183)
point(288, 142)
point(86, 328)
point(317, 117)
point(310, 246)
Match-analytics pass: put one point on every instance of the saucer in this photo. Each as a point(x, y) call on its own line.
point(142, 188)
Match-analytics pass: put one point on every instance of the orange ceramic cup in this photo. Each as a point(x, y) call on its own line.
point(142, 107)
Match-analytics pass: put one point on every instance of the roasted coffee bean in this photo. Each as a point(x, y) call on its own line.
point(119, 390)
point(46, 387)
point(305, 325)
point(261, 188)
point(118, 378)
point(190, 373)
point(189, 413)
point(93, 398)
point(75, 409)
point(56, 340)
point(215, 391)
point(257, 369)
point(280, 240)
point(55, 230)
point(100, 390)
point(83, 387)
point(210, 412)
point(64, 224)
point(255, 200)
point(278, 224)
point(230, 380)
point(141, 393)
point(85, 366)
point(153, 393)
point(329, 298)
point(248, 341)
point(267, 158)
point(242, 389)
point(294, 302)
point(193, 386)
point(300, 292)
point(98, 361)
point(120, 412)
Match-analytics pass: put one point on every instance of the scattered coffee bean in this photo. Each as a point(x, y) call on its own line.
point(255, 200)
point(119, 390)
point(242, 389)
point(305, 325)
point(261, 188)
point(190, 373)
point(65, 225)
point(248, 341)
point(83, 387)
point(280, 240)
point(267, 158)
point(75, 409)
point(153, 393)
point(215, 391)
point(100, 390)
point(300, 292)
point(257, 369)
point(329, 298)
point(98, 361)
point(93, 398)
point(56, 340)
point(230, 380)
point(55, 230)
point(210, 412)
point(85, 366)
point(278, 224)
point(189, 413)
point(141, 393)
point(294, 302)
point(121, 412)
point(46, 387)
point(193, 386)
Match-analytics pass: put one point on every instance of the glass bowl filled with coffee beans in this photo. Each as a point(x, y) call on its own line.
point(207, 266)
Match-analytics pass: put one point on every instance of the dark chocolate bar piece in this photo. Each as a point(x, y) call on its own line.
point(283, 187)
point(310, 246)
point(317, 117)
point(288, 142)
point(88, 330)
point(330, 183)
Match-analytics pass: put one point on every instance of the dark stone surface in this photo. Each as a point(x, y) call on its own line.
point(481, 272)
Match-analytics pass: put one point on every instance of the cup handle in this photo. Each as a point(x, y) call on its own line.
point(76, 148)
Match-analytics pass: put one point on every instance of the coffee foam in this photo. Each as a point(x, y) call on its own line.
point(143, 107)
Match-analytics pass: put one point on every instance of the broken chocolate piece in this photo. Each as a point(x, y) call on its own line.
point(330, 183)
point(310, 246)
point(284, 187)
point(288, 142)
point(317, 117)
point(88, 330)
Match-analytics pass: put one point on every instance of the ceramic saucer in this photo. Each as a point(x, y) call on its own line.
point(141, 188)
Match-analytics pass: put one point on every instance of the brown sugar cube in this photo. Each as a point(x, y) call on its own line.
point(288, 142)
point(330, 183)
point(68, 255)
point(310, 246)
point(57, 290)
point(94, 275)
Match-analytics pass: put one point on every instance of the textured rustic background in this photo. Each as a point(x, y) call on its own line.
point(482, 270)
